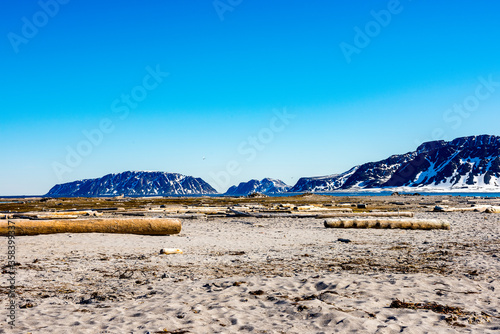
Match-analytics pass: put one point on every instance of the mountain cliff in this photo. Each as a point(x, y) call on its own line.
point(134, 184)
point(264, 186)
point(467, 163)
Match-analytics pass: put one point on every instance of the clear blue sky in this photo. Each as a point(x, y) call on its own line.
point(232, 65)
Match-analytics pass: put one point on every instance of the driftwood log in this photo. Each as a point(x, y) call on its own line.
point(493, 209)
point(276, 214)
point(269, 215)
point(145, 226)
point(367, 214)
point(414, 224)
point(477, 208)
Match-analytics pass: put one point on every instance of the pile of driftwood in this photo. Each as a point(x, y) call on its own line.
point(164, 220)
point(349, 219)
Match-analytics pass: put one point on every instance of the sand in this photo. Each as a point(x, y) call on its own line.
point(273, 275)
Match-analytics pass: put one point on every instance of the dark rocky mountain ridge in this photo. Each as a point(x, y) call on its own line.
point(138, 183)
point(466, 163)
point(264, 186)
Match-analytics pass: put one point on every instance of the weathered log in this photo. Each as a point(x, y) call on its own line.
point(133, 214)
point(277, 214)
point(145, 226)
point(189, 216)
point(244, 214)
point(23, 216)
point(477, 208)
point(69, 213)
point(367, 214)
point(54, 215)
point(312, 208)
point(492, 209)
point(168, 251)
point(414, 224)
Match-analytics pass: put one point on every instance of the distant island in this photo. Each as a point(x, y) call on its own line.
point(464, 164)
point(138, 183)
point(265, 186)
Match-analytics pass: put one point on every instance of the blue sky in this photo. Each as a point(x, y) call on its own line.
point(184, 86)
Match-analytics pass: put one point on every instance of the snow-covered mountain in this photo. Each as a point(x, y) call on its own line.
point(134, 184)
point(264, 186)
point(464, 164)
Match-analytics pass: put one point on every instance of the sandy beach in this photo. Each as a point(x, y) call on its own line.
point(263, 275)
